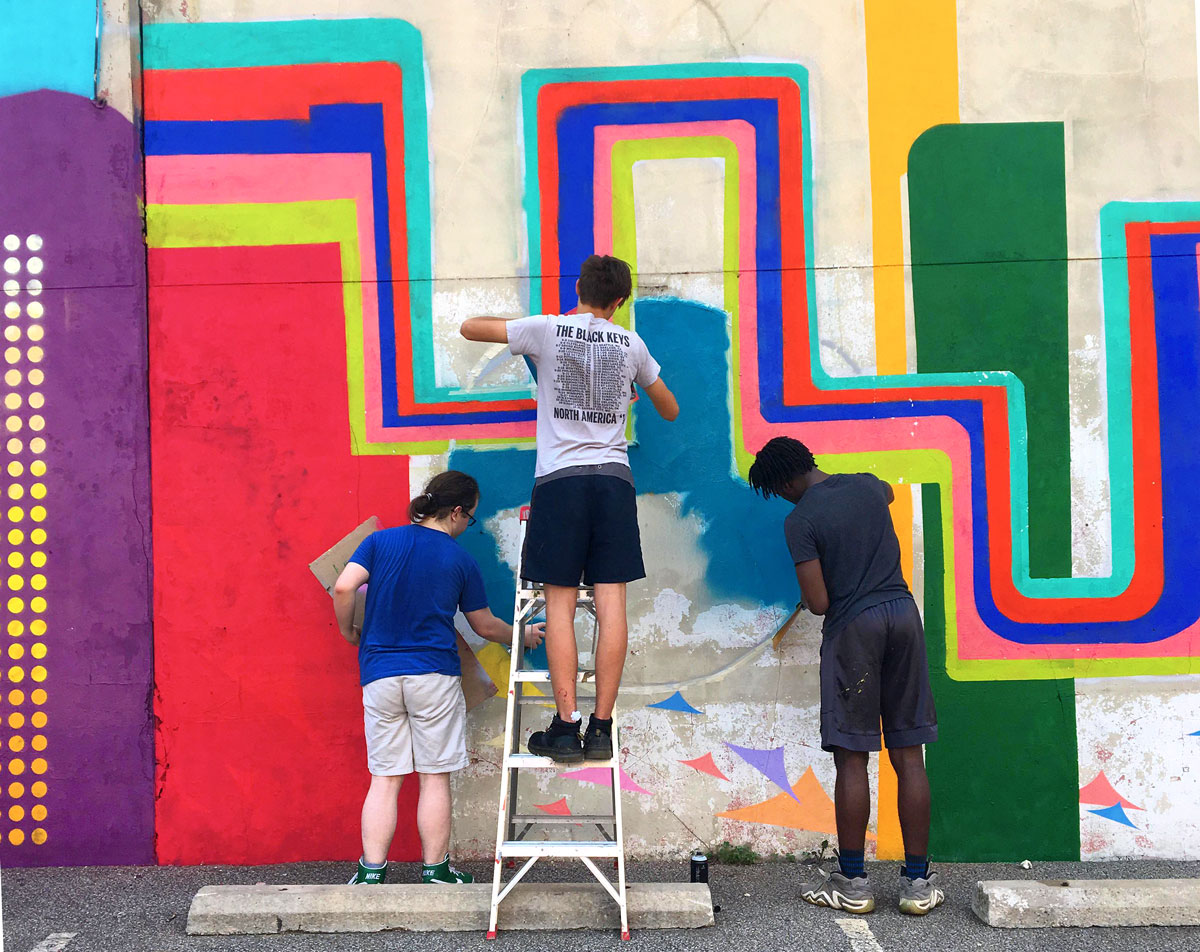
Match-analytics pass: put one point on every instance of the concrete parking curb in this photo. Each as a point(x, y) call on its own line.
point(257, 910)
point(1033, 904)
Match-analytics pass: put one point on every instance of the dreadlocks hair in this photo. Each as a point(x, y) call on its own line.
point(777, 463)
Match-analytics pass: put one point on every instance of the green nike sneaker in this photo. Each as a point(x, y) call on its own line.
point(443, 874)
point(368, 875)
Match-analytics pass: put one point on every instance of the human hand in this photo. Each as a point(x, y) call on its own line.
point(534, 634)
point(354, 635)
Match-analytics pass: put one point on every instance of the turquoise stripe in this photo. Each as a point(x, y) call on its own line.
point(50, 45)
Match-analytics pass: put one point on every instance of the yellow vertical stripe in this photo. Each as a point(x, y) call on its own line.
point(912, 84)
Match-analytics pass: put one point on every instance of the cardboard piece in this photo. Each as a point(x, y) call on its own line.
point(477, 686)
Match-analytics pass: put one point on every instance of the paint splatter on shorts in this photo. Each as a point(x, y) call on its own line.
point(873, 670)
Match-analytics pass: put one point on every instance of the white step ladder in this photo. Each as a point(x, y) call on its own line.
point(512, 827)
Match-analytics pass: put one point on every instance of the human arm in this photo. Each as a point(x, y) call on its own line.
point(488, 626)
point(492, 330)
point(353, 577)
point(812, 586)
point(664, 401)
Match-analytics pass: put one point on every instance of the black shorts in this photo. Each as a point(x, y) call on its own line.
point(874, 669)
point(583, 527)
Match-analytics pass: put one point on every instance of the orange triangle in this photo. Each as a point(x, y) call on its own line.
point(812, 808)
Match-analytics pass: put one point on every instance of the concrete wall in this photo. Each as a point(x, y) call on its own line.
point(953, 244)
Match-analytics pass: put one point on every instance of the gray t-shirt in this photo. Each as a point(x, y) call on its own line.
point(844, 521)
point(585, 370)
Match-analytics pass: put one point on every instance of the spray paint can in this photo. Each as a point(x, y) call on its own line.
point(699, 867)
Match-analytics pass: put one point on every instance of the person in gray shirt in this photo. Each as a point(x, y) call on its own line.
point(583, 509)
point(873, 665)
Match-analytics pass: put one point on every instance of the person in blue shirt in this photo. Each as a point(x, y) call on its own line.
point(415, 715)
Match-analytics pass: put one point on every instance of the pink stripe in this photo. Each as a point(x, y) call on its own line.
point(229, 179)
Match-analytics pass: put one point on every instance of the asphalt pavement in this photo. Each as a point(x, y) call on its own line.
point(144, 909)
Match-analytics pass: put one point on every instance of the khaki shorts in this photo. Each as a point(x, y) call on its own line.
point(415, 722)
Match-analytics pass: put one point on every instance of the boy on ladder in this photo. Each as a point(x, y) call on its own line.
point(583, 513)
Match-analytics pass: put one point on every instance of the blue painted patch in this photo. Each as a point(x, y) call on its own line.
point(676, 702)
point(742, 536)
point(1116, 813)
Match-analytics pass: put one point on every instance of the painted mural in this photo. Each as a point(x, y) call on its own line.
point(939, 275)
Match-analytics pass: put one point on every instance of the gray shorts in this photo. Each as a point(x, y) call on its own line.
point(874, 669)
point(415, 722)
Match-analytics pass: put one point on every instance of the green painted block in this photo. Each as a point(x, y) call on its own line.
point(1004, 771)
point(987, 207)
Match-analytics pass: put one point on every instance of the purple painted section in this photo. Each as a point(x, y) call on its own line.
point(767, 762)
point(70, 172)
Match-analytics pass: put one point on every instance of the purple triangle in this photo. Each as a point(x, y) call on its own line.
point(767, 762)
point(1116, 812)
point(675, 702)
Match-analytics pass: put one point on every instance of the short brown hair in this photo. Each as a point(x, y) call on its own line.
point(604, 280)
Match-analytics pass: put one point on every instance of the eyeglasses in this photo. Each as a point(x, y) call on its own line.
point(470, 518)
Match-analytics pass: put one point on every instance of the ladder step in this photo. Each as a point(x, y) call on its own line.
point(545, 848)
point(533, 761)
point(543, 677)
point(559, 820)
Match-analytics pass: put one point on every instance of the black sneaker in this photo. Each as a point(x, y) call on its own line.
point(560, 742)
point(597, 740)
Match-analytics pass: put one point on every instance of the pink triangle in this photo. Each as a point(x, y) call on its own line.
point(557, 808)
point(603, 777)
point(1101, 792)
point(707, 765)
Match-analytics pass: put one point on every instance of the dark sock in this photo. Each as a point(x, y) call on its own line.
point(851, 862)
point(602, 723)
point(558, 726)
point(916, 867)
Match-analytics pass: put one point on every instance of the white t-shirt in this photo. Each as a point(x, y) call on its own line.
point(585, 369)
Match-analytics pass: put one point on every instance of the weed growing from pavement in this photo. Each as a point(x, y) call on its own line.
point(740, 855)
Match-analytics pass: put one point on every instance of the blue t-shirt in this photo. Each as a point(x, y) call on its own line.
point(419, 578)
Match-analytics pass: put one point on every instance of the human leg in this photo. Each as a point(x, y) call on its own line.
point(561, 650)
point(379, 818)
point(851, 799)
point(912, 798)
point(439, 743)
point(389, 759)
point(611, 645)
point(433, 816)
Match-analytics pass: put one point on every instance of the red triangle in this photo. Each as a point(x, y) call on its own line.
point(707, 765)
point(557, 808)
point(1102, 793)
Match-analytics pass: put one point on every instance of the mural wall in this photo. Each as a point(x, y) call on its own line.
point(955, 247)
point(77, 744)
